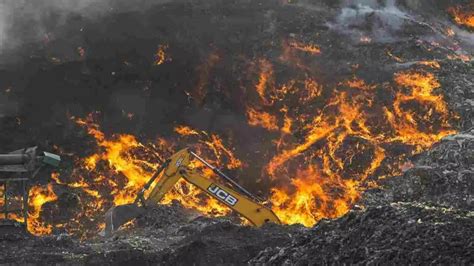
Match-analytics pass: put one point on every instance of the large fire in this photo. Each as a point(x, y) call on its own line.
point(324, 143)
point(352, 127)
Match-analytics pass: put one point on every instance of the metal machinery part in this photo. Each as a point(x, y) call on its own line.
point(22, 166)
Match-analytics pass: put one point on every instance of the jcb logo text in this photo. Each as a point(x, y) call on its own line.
point(222, 194)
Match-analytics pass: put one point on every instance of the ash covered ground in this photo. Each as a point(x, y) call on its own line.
point(86, 60)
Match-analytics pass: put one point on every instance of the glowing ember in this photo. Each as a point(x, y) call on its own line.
point(432, 64)
point(357, 83)
point(265, 81)
point(462, 57)
point(262, 119)
point(160, 55)
point(450, 32)
point(186, 131)
point(394, 57)
point(365, 39)
point(310, 48)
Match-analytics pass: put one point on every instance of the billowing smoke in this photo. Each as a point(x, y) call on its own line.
point(371, 20)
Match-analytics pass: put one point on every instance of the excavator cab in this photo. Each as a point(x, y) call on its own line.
point(177, 166)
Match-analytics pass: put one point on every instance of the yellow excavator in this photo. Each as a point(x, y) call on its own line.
point(178, 166)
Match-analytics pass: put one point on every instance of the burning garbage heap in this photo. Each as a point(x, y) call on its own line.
point(321, 110)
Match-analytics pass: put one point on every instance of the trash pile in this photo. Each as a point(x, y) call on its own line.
point(165, 234)
point(395, 233)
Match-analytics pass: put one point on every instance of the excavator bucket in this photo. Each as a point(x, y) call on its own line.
point(120, 215)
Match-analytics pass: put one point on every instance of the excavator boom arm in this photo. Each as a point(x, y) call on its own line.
point(255, 212)
point(176, 167)
point(169, 177)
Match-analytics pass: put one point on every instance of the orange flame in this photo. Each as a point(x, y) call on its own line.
point(312, 197)
point(462, 57)
point(185, 131)
point(160, 55)
point(38, 196)
point(328, 190)
point(309, 48)
point(463, 15)
point(262, 119)
point(432, 64)
point(122, 154)
point(265, 81)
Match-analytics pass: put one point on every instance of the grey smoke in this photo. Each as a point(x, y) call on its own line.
point(23, 21)
point(378, 20)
